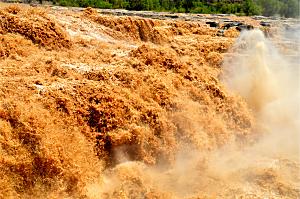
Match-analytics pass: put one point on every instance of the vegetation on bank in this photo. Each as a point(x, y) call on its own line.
point(286, 8)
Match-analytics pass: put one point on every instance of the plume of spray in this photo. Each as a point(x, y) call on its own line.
point(269, 84)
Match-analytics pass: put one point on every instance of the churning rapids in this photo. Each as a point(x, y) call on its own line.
point(98, 106)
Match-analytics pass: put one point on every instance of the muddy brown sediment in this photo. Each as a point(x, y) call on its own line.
point(34, 25)
point(98, 106)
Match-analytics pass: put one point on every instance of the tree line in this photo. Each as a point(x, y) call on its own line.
point(286, 8)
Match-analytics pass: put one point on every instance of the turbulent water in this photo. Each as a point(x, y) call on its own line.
point(270, 85)
point(98, 106)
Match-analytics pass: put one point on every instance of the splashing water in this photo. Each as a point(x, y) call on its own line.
point(270, 85)
point(266, 168)
point(148, 118)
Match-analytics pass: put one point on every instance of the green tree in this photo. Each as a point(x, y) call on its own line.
point(290, 8)
point(287, 8)
point(251, 8)
point(271, 7)
point(119, 3)
point(188, 5)
point(156, 4)
point(167, 4)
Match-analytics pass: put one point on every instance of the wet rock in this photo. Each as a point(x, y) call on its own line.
point(259, 17)
point(220, 33)
point(265, 23)
point(232, 24)
point(244, 27)
point(212, 24)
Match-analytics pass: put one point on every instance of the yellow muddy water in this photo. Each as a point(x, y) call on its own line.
point(100, 106)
